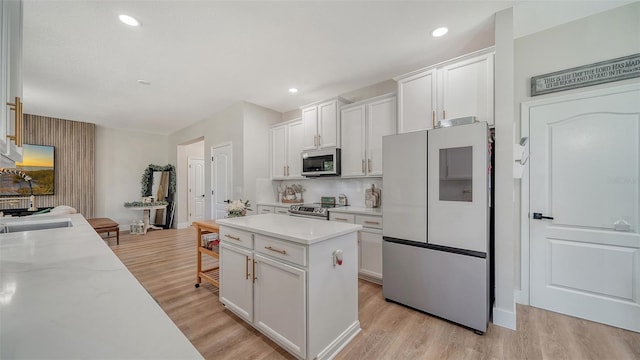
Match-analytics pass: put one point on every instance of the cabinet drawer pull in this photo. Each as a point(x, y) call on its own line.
point(372, 222)
point(247, 268)
point(363, 166)
point(282, 212)
point(433, 118)
point(232, 237)
point(284, 252)
point(341, 219)
point(369, 164)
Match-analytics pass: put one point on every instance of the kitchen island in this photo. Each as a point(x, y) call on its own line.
point(293, 279)
point(64, 294)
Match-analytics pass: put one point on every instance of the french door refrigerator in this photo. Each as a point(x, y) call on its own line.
point(435, 251)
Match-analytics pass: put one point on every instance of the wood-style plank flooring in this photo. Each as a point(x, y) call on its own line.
point(165, 261)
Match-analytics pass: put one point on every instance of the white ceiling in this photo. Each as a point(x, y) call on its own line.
point(81, 63)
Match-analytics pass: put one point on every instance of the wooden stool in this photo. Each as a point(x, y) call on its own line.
point(102, 225)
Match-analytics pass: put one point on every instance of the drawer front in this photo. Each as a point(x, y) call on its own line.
point(262, 209)
point(346, 218)
point(281, 210)
point(369, 221)
point(236, 237)
point(284, 250)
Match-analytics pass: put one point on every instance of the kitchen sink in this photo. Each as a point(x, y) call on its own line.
point(18, 226)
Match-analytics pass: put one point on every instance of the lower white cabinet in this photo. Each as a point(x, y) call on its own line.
point(292, 292)
point(279, 303)
point(267, 209)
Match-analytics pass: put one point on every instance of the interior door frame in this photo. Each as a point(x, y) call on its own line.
point(522, 296)
point(211, 187)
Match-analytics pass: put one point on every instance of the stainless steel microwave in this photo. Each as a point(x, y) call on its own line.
point(325, 162)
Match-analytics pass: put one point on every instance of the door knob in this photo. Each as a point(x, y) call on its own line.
point(538, 216)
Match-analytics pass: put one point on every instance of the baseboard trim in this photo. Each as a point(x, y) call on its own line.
point(340, 342)
point(183, 225)
point(521, 297)
point(504, 318)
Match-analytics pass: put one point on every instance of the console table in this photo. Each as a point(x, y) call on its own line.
point(147, 216)
point(212, 274)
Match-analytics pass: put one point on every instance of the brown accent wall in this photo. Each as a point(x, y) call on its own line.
point(74, 143)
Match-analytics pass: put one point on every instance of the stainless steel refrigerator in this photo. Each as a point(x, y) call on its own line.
point(435, 251)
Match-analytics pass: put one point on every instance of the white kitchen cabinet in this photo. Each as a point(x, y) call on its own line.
point(236, 270)
point(321, 123)
point(286, 147)
point(281, 210)
point(457, 88)
point(11, 85)
point(268, 209)
point(291, 291)
point(364, 124)
point(281, 289)
point(369, 243)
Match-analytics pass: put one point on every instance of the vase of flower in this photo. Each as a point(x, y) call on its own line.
point(237, 208)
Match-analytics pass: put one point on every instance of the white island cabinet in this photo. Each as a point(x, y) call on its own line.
point(281, 275)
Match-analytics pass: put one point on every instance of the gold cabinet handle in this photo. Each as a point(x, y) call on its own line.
point(363, 166)
point(232, 237)
point(16, 107)
point(287, 170)
point(444, 116)
point(319, 141)
point(433, 118)
point(253, 269)
point(372, 222)
point(340, 219)
point(284, 252)
point(369, 165)
point(315, 140)
point(247, 268)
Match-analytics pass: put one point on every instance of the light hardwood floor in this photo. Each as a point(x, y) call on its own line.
point(165, 261)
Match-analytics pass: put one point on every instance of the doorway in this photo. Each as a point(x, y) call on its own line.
point(221, 179)
point(196, 197)
point(583, 203)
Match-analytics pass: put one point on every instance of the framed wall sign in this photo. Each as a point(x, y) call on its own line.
point(626, 67)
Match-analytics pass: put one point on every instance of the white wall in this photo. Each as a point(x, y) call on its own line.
point(600, 37)
point(121, 159)
point(256, 162)
point(225, 126)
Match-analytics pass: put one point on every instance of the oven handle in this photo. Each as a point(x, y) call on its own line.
point(309, 216)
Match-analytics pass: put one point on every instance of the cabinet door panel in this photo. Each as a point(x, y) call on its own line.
point(295, 146)
point(353, 148)
point(467, 89)
point(417, 102)
point(371, 253)
point(278, 152)
point(381, 117)
point(236, 286)
point(328, 125)
point(280, 298)
point(310, 125)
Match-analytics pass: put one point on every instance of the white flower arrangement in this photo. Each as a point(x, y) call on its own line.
point(237, 208)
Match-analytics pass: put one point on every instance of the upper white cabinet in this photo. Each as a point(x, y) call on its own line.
point(11, 85)
point(458, 88)
point(322, 124)
point(362, 126)
point(286, 147)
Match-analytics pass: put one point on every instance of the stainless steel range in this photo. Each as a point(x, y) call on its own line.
point(318, 211)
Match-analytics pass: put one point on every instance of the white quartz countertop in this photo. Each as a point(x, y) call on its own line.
point(65, 295)
point(357, 210)
point(296, 229)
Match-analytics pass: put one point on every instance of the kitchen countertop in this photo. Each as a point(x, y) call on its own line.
point(296, 229)
point(65, 294)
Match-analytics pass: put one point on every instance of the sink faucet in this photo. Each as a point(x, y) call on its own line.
point(27, 178)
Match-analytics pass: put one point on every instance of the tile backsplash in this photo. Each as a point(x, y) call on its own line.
point(354, 189)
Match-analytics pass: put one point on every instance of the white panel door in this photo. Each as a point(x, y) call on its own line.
point(584, 182)
point(310, 125)
point(279, 152)
point(196, 189)
point(458, 205)
point(381, 121)
point(236, 280)
point(353, 131)
point(221, 180)
point(328, 125)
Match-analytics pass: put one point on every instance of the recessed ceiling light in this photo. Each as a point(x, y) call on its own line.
point(129, 20)
point(144, 82)
point(293, 90)
point(439, 31)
